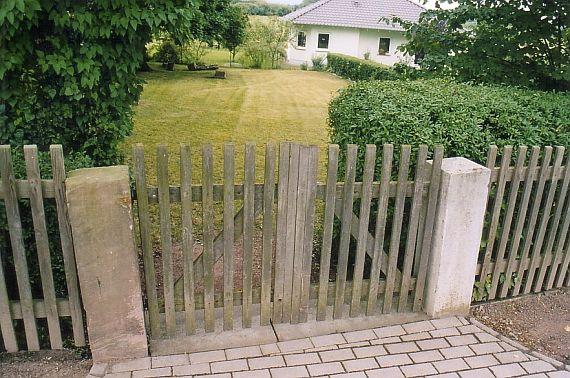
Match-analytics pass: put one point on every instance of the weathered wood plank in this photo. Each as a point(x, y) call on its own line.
point(538, 243)
point(18, 248)
point(531, 228)
point(248, 227)
point(396, 228)
point(364, 215)
point(166, 238)
point(268, 231)
point(427, 234)
point(413, 225)
point(523, 209)
point(229, 177)
point(328, 223)
point(187, 237)
point(346, 224)
point(42, 245)
point(6, 324)
point(380, 228)
point(66, 240)
point(208, 235)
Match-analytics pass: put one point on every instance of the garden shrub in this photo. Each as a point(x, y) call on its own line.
point(465, 119)
point(319, 62)
point(358, 69)
point(167, 54)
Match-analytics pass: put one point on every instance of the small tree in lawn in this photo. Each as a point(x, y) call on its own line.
point(276, 37)
point(234, 33)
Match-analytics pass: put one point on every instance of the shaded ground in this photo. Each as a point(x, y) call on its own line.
point(43, 364)
point(540, 322)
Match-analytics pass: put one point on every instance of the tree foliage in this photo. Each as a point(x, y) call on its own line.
point(520, 42)
point(234, 32)
point(266, 42)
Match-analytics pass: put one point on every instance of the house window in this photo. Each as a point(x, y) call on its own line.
point(301, 39)
point(384, 46)
point(323, 41)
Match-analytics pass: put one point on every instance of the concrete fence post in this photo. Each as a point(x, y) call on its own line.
point(99, 201)
point(457, 237)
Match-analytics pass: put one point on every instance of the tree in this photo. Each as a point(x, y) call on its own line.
point(234, 32)
point(496, 41)
point(267, 41)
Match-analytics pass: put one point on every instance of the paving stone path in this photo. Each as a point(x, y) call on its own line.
point(451, 347)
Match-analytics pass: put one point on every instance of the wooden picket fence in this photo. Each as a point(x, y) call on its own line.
point(393, 244)
point(19, 305)
point(525, 244)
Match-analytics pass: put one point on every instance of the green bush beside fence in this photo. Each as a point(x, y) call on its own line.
point(359, 69)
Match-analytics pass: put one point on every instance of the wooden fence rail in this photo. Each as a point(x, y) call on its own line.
point(17, 301)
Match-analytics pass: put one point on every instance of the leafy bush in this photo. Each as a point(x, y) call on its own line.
point(167, 54)
point(319, 62)
point(358, 69)
point(465, 119)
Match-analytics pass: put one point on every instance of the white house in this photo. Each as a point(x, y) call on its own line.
point(351, 27)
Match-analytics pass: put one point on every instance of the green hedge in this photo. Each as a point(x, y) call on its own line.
point(359, 69)
point(465, 119)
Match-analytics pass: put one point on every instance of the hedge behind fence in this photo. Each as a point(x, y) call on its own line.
point(358, 69)
point(465, 119)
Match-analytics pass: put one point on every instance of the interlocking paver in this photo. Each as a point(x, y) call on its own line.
point(336, 355)
point(445, 375)
point(559, 374)
point(355, 336)
point(393, 360)
point(477, 373)
point(447, 366)
point(252, 374)
point(194, 369)
point(294, 345)
point(138, 364)
point(386, 340)
point(446, 323)
point(485, 337)
point(455, 352)
point(266, 362)
point(486, 348)
point(509, 370)
point(201, 357)
point(229, 366)
point(356, 374)
point(384, 332)
point(426, 356)
point(269, 349)
point(325, 369)
point(418, 327)
point(445, 332)
point(418, 370)
point(461, 340)
point(481, 361)
point(174, 360)
point(468, 329)
point(416, 336)
point(433, 344)
point(289, 371)
point(245, 352)
point(302, 359)
point(369, 351)
point(159, 372)
point(360, 364)
point(392, 372)
point(326, 340)
point(508, 357)
point(402, 348)
point(537, 366)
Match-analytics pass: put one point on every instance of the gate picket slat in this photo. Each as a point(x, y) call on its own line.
point(187, 237)
point(554, 230)
point(533, 218)
point(267, 258)
point(42, 245)
point(380, 229)
point(146, 240)
point(537, 245)
point(229, 178)
point(346, 222)
point(281, 236)
point(365, 202)
point(18, 248)
point(248, 227)
point(435, 181)
point(309, 232)
point(166, 237)
point(396, 227)
point(328, 223)
point(290, 229)
point(528, 185)
point(208, 235)
point(512, 199)
point(300, 224)
point(66, 240)
point(413, 225)
point(496, 213)
point(6, 324)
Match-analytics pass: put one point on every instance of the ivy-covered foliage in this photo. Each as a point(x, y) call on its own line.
point(356, 69)
point(465, 119)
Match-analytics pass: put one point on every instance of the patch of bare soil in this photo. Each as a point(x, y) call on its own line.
point(62, 363)
point(540, 322)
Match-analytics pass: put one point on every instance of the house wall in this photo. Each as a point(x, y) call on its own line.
point(347, 41)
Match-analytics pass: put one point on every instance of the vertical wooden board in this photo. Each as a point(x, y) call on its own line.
point(42, 245)
point(433, 196)
point(309, 232)
point(346, 222)
point(300, 224)
point(18, 248)
point(564, 206)
point(413, 225)
point(66, 240)
point(521, 218)
point(495, 213)
point(266, 260)
point(146, 239)
point(166, 237)
point(396, 227)
point(380, 228)
point(507, 220)
point(531, 228)
point(365, 202)
point(6, 325)
point(536, 256)
point(328, 223)
point(229, 178)
point(562, 273)
point(281, 236)
point(248, 228)
point(208, 224)
point(187, 237)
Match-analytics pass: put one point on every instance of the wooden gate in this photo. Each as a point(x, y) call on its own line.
point(297, 250)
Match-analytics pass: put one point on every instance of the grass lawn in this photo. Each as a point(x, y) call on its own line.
point(250, 105)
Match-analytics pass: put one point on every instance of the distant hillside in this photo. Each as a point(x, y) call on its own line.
point(263, 8)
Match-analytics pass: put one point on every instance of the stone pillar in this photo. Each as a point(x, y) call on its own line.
point(99, 202)
point(457, 237)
